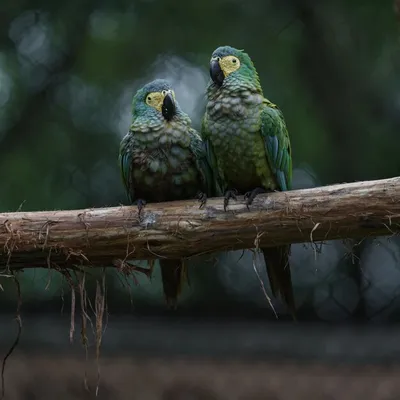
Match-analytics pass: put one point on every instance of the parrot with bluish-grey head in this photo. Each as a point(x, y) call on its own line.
point(163, 159)
point(248, 145)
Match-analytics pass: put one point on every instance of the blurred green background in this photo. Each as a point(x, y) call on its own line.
point(68, 71)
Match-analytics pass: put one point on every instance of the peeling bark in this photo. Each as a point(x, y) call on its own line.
point(101, 237)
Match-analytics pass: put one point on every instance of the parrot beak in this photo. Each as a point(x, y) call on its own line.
point(216, 73)
point(168, 107)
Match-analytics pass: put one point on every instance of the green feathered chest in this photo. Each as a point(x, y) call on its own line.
point(163, 167)
point(234, 132)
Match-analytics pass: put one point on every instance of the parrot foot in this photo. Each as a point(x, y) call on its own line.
point(250, 196)
point(229, 194)
point(202, 198)
point(140, 205)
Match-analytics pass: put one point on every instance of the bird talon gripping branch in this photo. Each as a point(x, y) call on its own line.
point(140, 205)
point(229, 194)
point(252, 194)
point(202, 198)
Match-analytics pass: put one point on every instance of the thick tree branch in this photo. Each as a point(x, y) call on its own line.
point(59, 239)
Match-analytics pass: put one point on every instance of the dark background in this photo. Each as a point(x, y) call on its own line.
point(68, 71)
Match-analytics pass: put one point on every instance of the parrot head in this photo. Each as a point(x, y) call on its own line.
point(230, 67)
point(155, 101)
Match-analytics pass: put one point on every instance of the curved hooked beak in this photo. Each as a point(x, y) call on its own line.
point(216, 72)
point(168, 108)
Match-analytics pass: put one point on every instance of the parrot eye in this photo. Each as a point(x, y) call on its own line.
point(164, 92)
point(148, 98)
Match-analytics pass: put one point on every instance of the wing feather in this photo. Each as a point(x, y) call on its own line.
point(277, 145)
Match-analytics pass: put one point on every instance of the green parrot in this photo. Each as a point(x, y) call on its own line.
point(163, 159)
point(248, 144)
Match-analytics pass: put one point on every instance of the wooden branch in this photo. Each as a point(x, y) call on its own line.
point(59, 239)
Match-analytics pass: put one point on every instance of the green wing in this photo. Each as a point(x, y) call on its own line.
point(198, 148)
point(277, 144)
point(219, 186)
point(125, 164)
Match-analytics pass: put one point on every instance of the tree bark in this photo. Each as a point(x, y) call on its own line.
point(105, 236)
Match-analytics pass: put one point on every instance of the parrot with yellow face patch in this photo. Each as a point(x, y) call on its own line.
point(163, 159)
point(248, 144)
